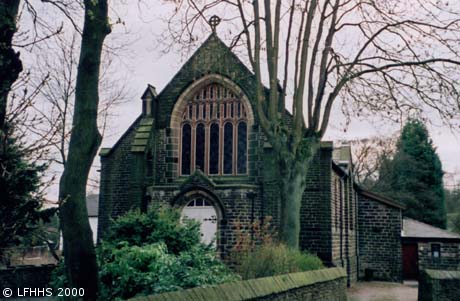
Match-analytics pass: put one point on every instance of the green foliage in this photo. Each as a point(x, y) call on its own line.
point(157, 225)
point(150, 269)
point(58, 276)
point(148, 253)
point(453, 209)
point(46, 231)
point(257, 252)
point(21, 199)
point(453, 222)
point(275, 259)
point(414, 175)
point(452, 200)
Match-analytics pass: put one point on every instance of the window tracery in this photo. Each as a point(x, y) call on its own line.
point(214, 133)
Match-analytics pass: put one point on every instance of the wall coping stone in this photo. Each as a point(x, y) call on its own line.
point(250, 289)
point(442, 274)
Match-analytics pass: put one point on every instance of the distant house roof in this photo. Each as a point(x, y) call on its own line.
point(92, 204)
point(342, 154)
point(415, 229)
point(342, 162)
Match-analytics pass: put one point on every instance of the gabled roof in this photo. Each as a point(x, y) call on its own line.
point(142, 136)
point(380, 198)
point(151, 91)
point(416, 229)
point(342, 154)
point(212, 57)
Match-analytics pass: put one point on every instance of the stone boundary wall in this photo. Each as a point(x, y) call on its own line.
point(325, 284)
point(437, 285)
point(25, 276)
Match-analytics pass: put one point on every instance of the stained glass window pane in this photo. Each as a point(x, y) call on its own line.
point(199, 153)
point(228, 148)
point(242, 147)
point(214, 149)
point(186, 148)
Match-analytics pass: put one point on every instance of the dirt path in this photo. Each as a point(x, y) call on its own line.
point(383, 291)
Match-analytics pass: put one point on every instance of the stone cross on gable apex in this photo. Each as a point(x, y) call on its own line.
point(214, 21)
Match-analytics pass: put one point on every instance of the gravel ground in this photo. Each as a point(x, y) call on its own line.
point(383, 291)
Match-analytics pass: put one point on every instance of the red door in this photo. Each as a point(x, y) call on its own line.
point(410, 261)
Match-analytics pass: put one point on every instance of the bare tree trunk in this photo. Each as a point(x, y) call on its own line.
point(10, 64)
point(79, 254)
point(293, 171)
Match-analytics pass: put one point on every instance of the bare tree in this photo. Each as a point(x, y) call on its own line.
point(11, 12)
point(386, 57)
point(368, 155)
point(56, 98)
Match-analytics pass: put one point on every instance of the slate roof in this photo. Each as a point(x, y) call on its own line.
point(92, 204)
point(142, 136)
point(416, 229)
point(380, 198)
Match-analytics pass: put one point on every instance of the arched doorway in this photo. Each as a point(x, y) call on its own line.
point(201, 209)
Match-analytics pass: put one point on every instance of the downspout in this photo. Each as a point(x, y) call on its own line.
point(341, 220)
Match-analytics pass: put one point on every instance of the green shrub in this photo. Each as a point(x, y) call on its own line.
point(150, 269)
point(275, 259)
point(58, 276)
point(154, 226)
point(153, 252)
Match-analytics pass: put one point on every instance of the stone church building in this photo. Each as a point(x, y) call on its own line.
point(198, 146)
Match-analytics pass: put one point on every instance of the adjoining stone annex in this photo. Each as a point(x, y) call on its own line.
point(427, 247)
point(198, 146)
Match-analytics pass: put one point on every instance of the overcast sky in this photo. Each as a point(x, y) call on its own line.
point(142, 63)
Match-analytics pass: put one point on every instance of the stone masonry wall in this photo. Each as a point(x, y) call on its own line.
point(26, 277)
point(449, 260)
point(117, 195)
point(343, 216)
point(379, 234)
point(233, 201)
point(121, 189)
point(326, 284)
point(437, 285)
point(315, 216)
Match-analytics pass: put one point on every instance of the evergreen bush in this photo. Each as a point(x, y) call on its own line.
point(153, 252)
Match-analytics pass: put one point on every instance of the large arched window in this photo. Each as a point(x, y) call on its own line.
point(214, 133)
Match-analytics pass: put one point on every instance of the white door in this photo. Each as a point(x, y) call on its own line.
point(202, 211)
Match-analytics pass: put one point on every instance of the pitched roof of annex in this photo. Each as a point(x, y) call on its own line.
point(416, 229)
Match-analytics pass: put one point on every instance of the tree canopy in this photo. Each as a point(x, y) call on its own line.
point(20, 194)
point(414, 175)
point(391, 58)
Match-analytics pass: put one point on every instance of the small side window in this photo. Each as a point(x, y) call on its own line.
point(436, 250)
